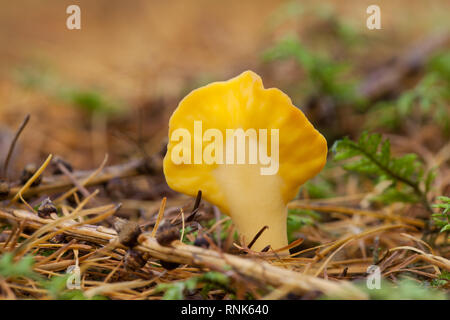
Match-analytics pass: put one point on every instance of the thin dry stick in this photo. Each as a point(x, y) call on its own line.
point(256, 237)
point(182, 226)
point(33, 240)
point(100, 217)
point(56, 253)
point(437, 260)
point(93, 220)
point(85, 181)
point(80, 187)
point(26, 203)
point(5, 287)
point(160, 215)
point(110, 287)
point(31, 180)
point(11, 235)
point(82, 233)
point(13, 144)
point(217, 223)
point(61, 183)
point(17, 234)
point(219, 227)
point(327, 261)
point(113, 271)
point(418, 240)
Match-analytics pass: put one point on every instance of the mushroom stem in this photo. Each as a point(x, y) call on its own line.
point(275, 235)
point(254, 201)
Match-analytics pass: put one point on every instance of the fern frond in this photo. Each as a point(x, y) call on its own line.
point(374, 158)
point(442, 220)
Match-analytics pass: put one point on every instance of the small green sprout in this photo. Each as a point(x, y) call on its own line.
point(442, 220)
point(176, 290)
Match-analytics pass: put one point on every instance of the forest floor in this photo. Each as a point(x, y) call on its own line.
point(99, 100)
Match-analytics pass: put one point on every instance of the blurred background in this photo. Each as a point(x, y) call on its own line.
point(111, 86)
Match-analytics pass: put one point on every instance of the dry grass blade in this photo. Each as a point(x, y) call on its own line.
point(160, 216)
point(22, 190)
point(81, 186)
point(34, 239)
point(367, 232)
point(431, 258)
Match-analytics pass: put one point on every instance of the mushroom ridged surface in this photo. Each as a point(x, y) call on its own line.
point(281, 151)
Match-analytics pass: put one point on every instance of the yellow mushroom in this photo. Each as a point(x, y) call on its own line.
point(248, 149)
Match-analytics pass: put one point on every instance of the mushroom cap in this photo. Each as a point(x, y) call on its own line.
point(243, 102)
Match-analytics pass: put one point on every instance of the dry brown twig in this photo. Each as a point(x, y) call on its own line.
point(13, 144)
